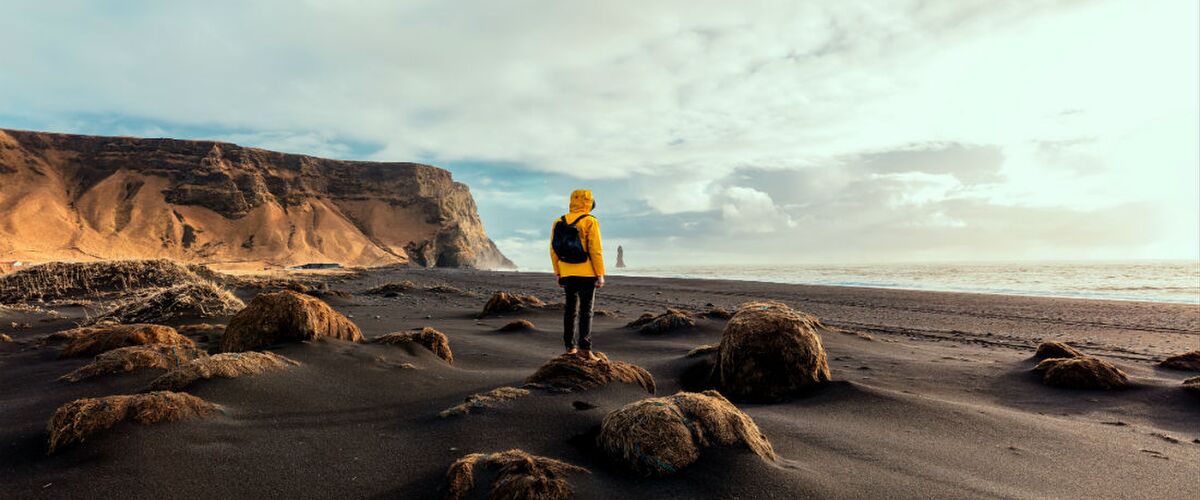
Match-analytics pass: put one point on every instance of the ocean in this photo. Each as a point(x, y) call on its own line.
point(1156, 281)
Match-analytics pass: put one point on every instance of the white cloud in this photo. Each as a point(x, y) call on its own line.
point(677, 96)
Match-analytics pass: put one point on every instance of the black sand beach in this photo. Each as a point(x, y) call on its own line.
point(932, 397)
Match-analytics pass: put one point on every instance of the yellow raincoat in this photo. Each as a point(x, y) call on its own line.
point(589, 235)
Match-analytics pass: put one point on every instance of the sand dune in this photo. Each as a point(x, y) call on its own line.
point(942, 403)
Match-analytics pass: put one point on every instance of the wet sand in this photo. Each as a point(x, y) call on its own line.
point(939, 402)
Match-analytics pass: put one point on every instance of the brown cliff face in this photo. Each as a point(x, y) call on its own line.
point(86, 197)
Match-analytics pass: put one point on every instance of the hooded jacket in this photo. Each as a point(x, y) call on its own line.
point(589, 235)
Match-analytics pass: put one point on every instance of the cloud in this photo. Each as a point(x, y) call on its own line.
point(694, 120)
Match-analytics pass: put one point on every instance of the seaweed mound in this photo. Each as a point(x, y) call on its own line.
point(392, 289)
point(189, 300)
point(1188, 361)
point(1083, 372)
point(519, 475)
point(66, 281)
point(128, 359)
point(660, 436)
point(427, 337)
point(1192, 385)
point(1047, 350)
point(768, 352)
point(489, 399)
point(668, 321)
point(285, 316)
point(505, 303)
point(569, 372)
point(703, 350)
point(520, 325)
point(224, 365)
point(93, 340)
point(79, 419)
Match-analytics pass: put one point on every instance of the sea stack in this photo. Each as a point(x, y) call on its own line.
point(620, 256)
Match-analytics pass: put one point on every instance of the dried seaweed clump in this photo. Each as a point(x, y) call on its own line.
point(1083, 372)
point(93, 340)
point(1056, 349)
point(520, 325)
point(1192, 385)
point(659, 436)
point(76, 421)
point(489, 399)
point(427, 337)
point(768, 352)
point(285, 316)
point(505, 302)
point(224, 365)
point(703, 350)
point(128, 359)
point(1188, 361)
point(519, 475)
point(570, 372)
point(4, 338)
point(392, 289)
point(189, 300)
point(668, 321)
point(67, 281)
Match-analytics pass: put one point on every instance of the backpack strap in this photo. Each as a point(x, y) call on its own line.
point(577, 219)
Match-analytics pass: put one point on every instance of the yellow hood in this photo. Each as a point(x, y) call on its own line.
point(581, 201)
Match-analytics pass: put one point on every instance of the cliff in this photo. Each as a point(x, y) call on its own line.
point(74, 197)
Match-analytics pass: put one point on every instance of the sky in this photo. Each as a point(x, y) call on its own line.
point(712, 132)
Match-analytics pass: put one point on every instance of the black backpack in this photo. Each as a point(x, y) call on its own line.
point(566, 242)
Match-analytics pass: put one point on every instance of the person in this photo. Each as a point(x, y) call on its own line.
point(580, 275)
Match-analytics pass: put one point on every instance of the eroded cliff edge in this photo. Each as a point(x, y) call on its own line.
point(82, 197)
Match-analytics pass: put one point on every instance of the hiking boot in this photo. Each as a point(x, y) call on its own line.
point(587, 354)
point(572, 351)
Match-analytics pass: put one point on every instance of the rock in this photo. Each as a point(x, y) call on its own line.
point(1048, 350)
point(768, 352)
point(1188, 361)
point(285, 316)
point(205, 201)
point(1083, 372)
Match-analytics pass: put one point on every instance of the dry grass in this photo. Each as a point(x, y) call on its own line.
point(224, 365)
point(1188, 361)
point(519, 475)
point(93, 340)
point(189, 300)
point(668, 321)
point(703, 350)
point(1192, 385)
point(490, 399)
point(505, 303)
point(646, 317)
point(520, 325)
point(659, 436)
point(76, 421)
point(769, 351)
point(1083, 372)
point(285, 316)
point(128, 359)
point(427, 337)
point(1048, 350)
point(4, 338)
point(392, 288)
point(572, 373)
point(66, 281)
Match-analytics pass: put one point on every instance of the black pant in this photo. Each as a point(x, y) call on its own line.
point(580, 292)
